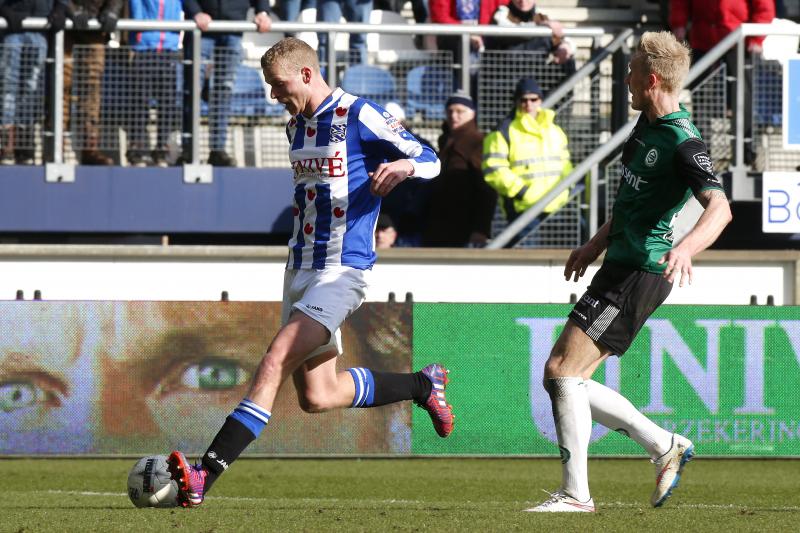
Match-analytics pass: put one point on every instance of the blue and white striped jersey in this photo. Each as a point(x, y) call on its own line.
point(331, 153)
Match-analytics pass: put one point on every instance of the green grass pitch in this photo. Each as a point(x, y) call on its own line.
point(484, 495)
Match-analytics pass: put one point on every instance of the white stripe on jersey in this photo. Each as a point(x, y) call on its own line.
point(328, 179)
point(381, 122)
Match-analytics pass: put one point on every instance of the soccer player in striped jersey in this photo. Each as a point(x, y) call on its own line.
point(346, 153)
point(664, 162)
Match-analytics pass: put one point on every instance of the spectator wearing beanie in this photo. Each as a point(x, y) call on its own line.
point(461, 203)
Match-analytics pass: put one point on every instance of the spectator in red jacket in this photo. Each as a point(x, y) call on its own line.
point(712, 20)
point(707, 22)
point(461, 12)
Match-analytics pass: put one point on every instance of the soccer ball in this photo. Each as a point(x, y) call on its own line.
point(150, 484)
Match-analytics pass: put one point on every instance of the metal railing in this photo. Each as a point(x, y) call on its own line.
point(732, 130)
point(54, 128)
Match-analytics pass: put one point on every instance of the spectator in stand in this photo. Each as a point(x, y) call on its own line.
point(526, 156)
point(23, 55)
point(523, 13)
point(706, 23)
point(352, 11)
point(461, 204)
point(385, 232)
point(462, 12)
point(289, 10)
point(223, 51)
point(89, 64)
point(418, 7)
point(152, 71)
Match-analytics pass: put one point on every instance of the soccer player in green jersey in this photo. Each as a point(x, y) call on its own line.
point(664, 161)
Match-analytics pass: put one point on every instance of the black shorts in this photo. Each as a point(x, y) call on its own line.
point(617, 303)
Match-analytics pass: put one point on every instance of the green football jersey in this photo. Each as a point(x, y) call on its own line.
point(663, 163)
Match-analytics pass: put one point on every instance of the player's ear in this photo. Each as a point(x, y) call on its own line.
point(652, 81)
point(305, 74)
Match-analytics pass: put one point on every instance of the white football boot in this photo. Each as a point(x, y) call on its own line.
point(560, 502)
point(669, 468)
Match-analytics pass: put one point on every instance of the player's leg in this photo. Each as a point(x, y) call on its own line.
point(669, 452)
point(630, 297)
point(614, 411)
point(294, 341)
point(573, 356)
point(320, 387)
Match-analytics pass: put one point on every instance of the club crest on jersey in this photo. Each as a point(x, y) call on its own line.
point(703, 161)
point(338, 133)
point(651, 157)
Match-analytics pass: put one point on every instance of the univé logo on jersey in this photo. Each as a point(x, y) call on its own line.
point(331, 167)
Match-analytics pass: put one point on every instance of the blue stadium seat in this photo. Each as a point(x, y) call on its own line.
point(369, 82)
point(428, 89)
point(249, 98)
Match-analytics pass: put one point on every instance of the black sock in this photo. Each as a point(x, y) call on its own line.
point(391, 387)
point(230, 442)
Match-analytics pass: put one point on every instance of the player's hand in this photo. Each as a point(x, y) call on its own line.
point(202, 20)
point(263, 22)
point(388, 175)
point(678, 262)
point(579, 260)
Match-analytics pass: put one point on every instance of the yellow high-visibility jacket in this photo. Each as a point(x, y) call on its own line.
point(524, 159)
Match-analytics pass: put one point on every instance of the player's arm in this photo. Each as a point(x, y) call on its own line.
point(693, 162)
point(583, 256)
point(407, 156)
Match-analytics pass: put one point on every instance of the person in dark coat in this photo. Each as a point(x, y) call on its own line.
point(461, 203)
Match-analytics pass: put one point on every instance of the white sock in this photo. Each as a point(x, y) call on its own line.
point(573, 418)
point(615, 412)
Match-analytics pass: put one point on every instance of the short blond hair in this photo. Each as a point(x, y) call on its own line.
point(291, 54)
point(664, 56)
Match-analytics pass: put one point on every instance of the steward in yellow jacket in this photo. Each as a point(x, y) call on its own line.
point(527, 155)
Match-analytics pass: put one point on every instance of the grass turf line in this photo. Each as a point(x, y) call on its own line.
point(398, 495)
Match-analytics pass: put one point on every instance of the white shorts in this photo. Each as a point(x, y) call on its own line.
point(328, 296)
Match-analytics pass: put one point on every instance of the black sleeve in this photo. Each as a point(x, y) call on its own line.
point(260, 5)
point(191, 8)
point(693, 165)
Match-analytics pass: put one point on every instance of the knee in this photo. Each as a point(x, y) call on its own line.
point(553, 368)
point(314, 402)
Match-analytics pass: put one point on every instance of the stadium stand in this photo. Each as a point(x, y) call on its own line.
point(428, 88)
point(370, 82)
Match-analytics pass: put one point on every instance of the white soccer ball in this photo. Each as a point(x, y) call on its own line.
point(150, 484)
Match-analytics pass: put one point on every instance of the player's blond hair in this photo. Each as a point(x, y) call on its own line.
point(291, 54)
point(664, 56)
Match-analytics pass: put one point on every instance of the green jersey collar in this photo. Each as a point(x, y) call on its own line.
point(682, 113)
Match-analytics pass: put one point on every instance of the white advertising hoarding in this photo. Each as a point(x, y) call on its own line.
point(780, 202)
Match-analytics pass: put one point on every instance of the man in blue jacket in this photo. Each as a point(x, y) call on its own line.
point(224, 52)
point(152, 80)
